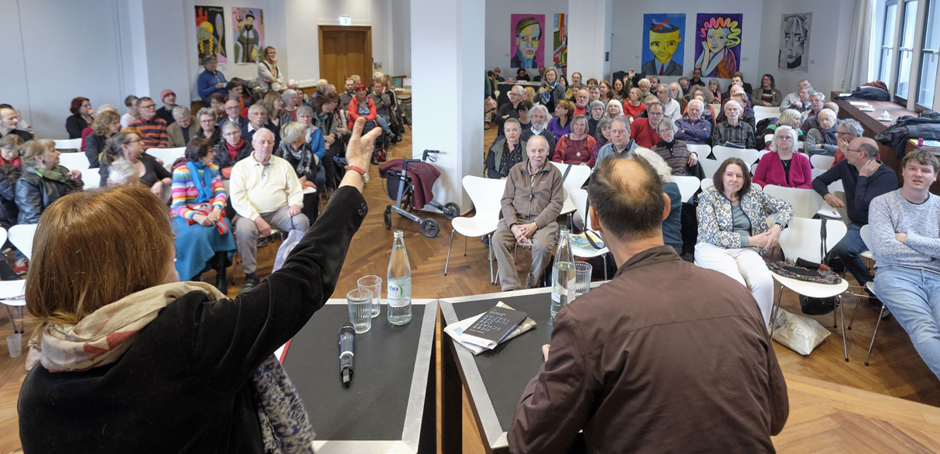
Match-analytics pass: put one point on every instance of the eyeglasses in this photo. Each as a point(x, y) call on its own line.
point(151, 106)
point(841, 133)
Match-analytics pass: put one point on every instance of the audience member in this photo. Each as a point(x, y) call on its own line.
point(697, 78)
point(594, 93)
point(685, 86)
point(270, 77)
point(256, 117)
point(232, 149)
point(618, 366)
point(767, 95)
point(747, 113)
point(705, 97)
point(606, 91)
point(575, 147)
point(123, 173)
point(733, 132)
point(714, 87)
point(203, 234)
point(672, 224)
point(582, 99)
point(522, 74)
point(523, 112)
point(509, 110)
point(823, 139)
point(733, 231)
point(551, 91)
point(618, 91)
point(152, 128)
point(816, 105)
point(43, 180)
point(179, 132)
point(363, 106)
point(497, 71)
point(207, 128)
point(784, 166)
point(905, 235)
point(644, 129)
point(275, 116)
point(265, 192)
point(671, 108)
point(9, 120)
point(385, 108)
point(211, 80)
point(794, 99)
point(561, 123)
point(348, 94)
point(693, 128)
point(168, 98)
point(506, 151)
point(673, 151)
point(10, 146)
point(217, 104)
point(614, 108)
point(82, 116)
point(132, 103)
point(126, 145)
point(848, 130)
point(531, 202)
point(576, 79)
point(654, 85)
point(105, 125)
point(633, 105)
point(300, 155)
point(621, 143)
point(602, 137)
point(232, 113)
point(329, 126)
point(863, 179)
point(644, 86)
point(235, 90)
point(678, 96)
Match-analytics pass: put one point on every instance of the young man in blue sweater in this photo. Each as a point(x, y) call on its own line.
point(905, 236)
point(863, 178)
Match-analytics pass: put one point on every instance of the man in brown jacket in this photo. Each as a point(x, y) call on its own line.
point(666, 357)
point(531, 203)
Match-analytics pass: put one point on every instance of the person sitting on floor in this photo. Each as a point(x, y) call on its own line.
point(627, 365)
point(265, 192)
point(203, 234)
point(531, 202)
point(905, 235)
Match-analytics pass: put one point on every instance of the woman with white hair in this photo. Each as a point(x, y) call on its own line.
point(783, 166)
point(295, 149)
point(123, 173)
point(614, 108)
point(672, 225)
point(290, 99)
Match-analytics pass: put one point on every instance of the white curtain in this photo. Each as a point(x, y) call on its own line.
point(857, 63)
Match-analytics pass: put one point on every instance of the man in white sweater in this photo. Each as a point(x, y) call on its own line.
point(905, 235)
point(265, 191)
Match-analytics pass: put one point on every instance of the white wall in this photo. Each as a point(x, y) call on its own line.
point(829, 41)
point(399, 32)
point(499, 34)
point(628, 32)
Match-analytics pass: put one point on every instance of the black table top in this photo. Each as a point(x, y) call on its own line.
point(386, 369)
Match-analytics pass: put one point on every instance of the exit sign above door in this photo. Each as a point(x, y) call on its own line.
point(345, 20)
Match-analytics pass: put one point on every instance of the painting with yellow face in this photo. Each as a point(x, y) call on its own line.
point(527, 31)
point(717, 44)
point(663, 48)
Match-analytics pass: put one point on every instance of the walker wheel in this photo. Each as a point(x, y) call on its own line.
point(388, 218)
point(430, 228)
point(451, 210)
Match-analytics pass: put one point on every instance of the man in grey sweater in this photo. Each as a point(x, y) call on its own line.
point(905, 237)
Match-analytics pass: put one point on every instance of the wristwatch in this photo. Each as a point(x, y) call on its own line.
point(357, 169)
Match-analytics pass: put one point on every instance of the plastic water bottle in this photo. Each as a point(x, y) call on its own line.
point(399, 283)
point(563, 274)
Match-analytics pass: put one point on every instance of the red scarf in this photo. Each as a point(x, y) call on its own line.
point(233, 151)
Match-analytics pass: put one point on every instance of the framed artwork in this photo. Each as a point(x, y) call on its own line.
point(560, 49)
point(525, 46)
point(794, 42)
point(249, 34)
point(210, 33)
point(718, 44)
point(663, 48)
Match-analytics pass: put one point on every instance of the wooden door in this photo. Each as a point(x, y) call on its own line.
point(344, 51)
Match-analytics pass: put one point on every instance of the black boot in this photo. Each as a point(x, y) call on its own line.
point(221, 282)
point(251, 280)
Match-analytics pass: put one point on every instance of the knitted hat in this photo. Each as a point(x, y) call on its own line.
point(166, 91)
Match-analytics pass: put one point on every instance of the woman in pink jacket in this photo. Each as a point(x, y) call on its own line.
point(783, 166)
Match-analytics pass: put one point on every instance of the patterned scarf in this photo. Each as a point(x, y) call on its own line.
point(56, 174)
point(103, 336)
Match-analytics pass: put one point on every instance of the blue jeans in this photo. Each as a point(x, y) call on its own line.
point(913, 296)
point(383, 123)
point(849, 249)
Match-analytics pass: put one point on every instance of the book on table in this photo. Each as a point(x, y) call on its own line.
point(477, 344)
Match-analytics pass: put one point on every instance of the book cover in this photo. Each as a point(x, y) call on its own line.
point(455, 330)
point(493, 326)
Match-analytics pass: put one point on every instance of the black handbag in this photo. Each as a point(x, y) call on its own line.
point(819, 306)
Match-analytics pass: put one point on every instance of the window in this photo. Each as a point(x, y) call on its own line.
point(906, 51)
point(887, 41)
point(929, 57)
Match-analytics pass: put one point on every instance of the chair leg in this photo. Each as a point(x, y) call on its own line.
point(873, 335)
point(492, 278)
point(466, 240)
point(834, 325)
point(605, 266)
point(858, 302)
point(773, 312)
point(845, 344)
point(447, 262)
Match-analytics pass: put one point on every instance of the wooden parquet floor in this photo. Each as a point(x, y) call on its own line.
point(835, 406)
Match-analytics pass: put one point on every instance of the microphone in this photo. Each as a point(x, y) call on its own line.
point(347, 335)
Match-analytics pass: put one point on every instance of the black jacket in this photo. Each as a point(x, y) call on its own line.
point(94, 146)
point(35, 193)
point(224, 160)
point(8, 210)
point(75, 124)
point(183, 386)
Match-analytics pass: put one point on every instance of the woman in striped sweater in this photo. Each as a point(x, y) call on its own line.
point(204, 238)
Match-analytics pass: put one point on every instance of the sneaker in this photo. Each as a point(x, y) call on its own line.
point(21, 266)
point(251, 281)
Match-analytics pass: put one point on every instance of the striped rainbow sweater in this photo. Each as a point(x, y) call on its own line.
point(185, 192)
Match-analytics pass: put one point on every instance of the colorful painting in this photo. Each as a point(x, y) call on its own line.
point(210, 33)
point(560, 49)
point(794, 42)
point(249, 34)
point(718, 44)
point(527, 31)
point(663, 47)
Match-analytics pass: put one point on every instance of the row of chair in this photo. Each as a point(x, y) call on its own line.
point(78, 161)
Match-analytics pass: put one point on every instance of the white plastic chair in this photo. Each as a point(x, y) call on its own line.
point(761, 112)
point(723, 153)
point(687, 186)
point(806, 202)
point(709, 166)
point(68, 144)
point(576, 178)
point(801, 239)
point(21, 236)
point(707, 183)
point(701, 149)
point(167, 155)
point(91, 178)
point(74, 161)
point(822, 162)
point(865, 233)
point(580, 198)
point(486, 194)
point(768, 138)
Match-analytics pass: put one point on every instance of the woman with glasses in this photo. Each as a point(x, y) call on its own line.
point(126, 146)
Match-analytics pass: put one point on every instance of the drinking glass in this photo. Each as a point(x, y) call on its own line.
point(360, 309)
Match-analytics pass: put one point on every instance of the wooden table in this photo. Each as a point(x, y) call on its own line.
point(873, 126)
